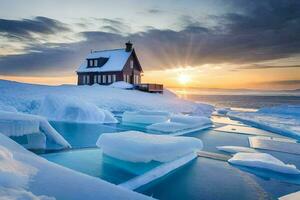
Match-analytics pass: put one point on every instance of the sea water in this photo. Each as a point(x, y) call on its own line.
point(202, 178)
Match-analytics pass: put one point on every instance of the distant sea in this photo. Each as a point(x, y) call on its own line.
point(240, 98)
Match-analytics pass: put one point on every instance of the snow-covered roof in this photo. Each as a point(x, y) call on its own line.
point(116, 60)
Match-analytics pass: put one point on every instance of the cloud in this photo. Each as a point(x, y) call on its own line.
point(258, 66)
point(154, 11)
point(254, 31)
point(282, 83)
point(25, 27)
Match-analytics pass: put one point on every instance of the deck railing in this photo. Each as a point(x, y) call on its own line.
point(150, 87)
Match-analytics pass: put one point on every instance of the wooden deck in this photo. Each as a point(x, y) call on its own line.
point(150, 87)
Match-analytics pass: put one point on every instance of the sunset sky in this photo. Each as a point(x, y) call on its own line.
point(180, 43)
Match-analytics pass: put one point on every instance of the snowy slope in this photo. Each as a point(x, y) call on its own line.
point(24, 175)
point(28, 98)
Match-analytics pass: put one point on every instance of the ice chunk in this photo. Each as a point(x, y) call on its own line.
point(121, 85)
point(275, 144)
point(158, 172)
point(263, 161)
point(19, 124)
point(293, 110)
point(19, 194)
point(145, 117)
point(167, 127)
point(180, 123)
point(192, 121)
point(236, 149)
point(292, 196)
point(61, 108)
point(135, 146)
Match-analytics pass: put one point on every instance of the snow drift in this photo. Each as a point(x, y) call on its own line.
point(25, 175)
point(62, 108)
point(121, 85)
point(263, 161)
point(36, 128)
point(29, 97)
point(135, 146)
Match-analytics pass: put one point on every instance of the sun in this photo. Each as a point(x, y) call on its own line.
point(183, 79)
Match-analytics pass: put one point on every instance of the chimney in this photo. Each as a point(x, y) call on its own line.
point(128, 46)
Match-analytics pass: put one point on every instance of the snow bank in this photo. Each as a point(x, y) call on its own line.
point(47, 181)
point(121, 85)
point(263, 161)
point(181, 122)
point(236, 149)
point(158, 172)
point(62, 108)
point(145, 117)
point(29, 97)
point(35, 127)
point(135, 146)
point(284, 120)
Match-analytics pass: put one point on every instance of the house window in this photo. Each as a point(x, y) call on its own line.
point(87, 79)
point(83, 79)
point(95, 79)
point(95, 63)
point(131, 64)
point(90, 63)
point(104, 79)
point(109, 78)
point(114, 78)
point(99, 78)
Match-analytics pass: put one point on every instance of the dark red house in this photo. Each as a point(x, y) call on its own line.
point(108, 66)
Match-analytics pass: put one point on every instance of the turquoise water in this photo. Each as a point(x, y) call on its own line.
point(200, 179)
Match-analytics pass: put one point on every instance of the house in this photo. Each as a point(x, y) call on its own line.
point(108, 66)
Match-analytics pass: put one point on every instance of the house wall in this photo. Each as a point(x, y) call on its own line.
point(128, 74)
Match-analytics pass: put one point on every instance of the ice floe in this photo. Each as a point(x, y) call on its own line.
point(181, 123)
point(284, 119)
point(62, 108)
point(243, 130)
point(236, 149)
point(37, 130)
point(158, 172)
point(24, 175)
point(145, 117)
point(263, 161)
point(135, 146)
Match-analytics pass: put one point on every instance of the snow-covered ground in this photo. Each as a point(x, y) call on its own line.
point(284, 119)
point(24, 175)
point(29, 98)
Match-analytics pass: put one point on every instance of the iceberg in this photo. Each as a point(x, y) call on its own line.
point(181, 123)
point(263, 161)
point(135, 146)
point(145, 117)
point(236, 149)
point(36, 129)
point(24, 175)
point(62, 108)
